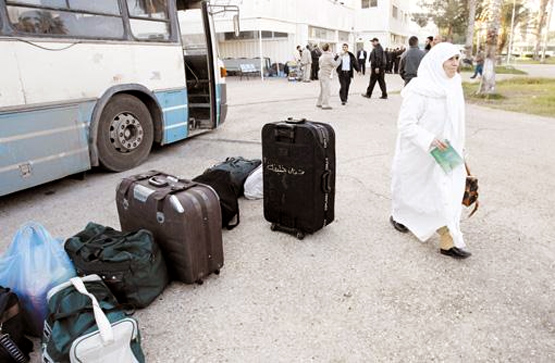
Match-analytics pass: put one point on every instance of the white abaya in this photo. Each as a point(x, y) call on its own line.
point(425, 198)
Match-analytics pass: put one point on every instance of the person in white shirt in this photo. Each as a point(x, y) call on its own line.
point(362, 55)
point(347, 64)
point(426, 199)
point(306, 63)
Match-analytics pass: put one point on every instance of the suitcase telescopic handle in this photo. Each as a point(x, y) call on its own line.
point(326, 182)
point(291, 120)
point(285, 131)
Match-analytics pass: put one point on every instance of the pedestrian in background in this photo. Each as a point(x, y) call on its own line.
point(327, 64)
point(315, 54)
point(306, 63)
point(428, 46)
point(479, 59)
point(347, 65)
point(437, 39)
point(410, 60)
point(425, 198)
point(377, 70)
point(362, 55)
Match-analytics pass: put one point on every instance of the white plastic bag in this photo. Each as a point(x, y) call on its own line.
point(253, 185)
point(33, 264)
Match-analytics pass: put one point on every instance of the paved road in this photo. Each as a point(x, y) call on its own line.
point(357, 291)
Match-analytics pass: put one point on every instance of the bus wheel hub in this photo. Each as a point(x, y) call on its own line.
point(126, 132)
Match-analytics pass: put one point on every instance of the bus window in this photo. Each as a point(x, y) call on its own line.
point(38, 21)
point(192, 32)
point(149, 19)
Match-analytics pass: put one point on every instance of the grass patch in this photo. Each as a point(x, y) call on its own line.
point(499, 70)
point(550, 60)
point(535, 96)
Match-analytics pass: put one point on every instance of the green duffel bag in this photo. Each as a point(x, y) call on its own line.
point(85, 324)
point(131, 264)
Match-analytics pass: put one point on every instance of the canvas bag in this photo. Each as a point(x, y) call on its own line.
point(239, 169)
point(85, 325)
point(131, 264)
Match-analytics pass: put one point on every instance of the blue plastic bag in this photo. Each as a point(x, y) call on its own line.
point(33, 264)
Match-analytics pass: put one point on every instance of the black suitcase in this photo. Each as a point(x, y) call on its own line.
point(184, 217)
point(299, 175)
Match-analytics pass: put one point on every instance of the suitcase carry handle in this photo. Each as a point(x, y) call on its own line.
point(326, 181)
point(285, 131)
point(158, 181)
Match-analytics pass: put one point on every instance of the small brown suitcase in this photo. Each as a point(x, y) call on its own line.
point(184, 217)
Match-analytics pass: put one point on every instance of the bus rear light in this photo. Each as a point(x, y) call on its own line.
point(223, 72)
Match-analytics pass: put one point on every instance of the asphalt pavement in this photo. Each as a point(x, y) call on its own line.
point(356, 291)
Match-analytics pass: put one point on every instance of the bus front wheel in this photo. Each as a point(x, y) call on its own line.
point(125, 133)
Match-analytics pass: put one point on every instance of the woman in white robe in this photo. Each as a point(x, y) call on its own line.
point(426, 199)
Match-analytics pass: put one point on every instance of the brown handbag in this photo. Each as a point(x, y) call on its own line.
point(471, 191)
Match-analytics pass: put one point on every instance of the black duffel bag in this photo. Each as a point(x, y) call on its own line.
point(239, 169)
point(14, 347)
point(220, 181)
point(131, 264)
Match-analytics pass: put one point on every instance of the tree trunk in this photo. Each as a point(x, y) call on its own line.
point(539, 27)
point(470, 28)
point(487, 85)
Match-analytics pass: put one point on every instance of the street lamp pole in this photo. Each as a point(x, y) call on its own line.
point(510, 49)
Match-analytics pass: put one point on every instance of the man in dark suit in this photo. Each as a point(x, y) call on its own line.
point(378, 63)
point(362, 55)
point(347, 65)
point(315, 53)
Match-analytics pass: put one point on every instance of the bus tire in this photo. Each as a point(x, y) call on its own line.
point(125, 133)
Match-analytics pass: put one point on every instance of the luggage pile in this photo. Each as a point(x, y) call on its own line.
point(77, 293)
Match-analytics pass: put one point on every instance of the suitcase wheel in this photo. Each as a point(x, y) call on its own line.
point(300, 235)
point(273, 227)
point(199, 282)
point(217, 272)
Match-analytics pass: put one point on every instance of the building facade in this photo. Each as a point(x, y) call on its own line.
point(273, 29)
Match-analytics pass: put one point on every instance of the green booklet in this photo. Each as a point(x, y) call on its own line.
point(448, 159)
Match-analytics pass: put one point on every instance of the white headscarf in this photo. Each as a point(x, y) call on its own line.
point(432, 81)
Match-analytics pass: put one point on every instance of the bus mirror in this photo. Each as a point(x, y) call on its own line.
point(236, 27)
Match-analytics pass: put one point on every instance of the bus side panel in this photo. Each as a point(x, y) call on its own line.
point(11, 88)
point(175, 113)
point(46, 145)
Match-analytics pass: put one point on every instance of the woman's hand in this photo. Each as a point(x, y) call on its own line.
point(439, 144)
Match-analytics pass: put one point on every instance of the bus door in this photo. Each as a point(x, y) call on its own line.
point(199, 58)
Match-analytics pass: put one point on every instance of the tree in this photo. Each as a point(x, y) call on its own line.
point(540, 23)
point(470, 28)
point(521, 16)
point(493, 16)
point(449, 15)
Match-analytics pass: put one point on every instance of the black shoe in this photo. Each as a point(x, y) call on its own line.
point(472, 77)
point(383, 98)
point(455, 253)
point(365, 95)
point(343, 103)
point(398, 226)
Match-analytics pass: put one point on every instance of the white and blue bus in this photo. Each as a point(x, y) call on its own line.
point(96, 83)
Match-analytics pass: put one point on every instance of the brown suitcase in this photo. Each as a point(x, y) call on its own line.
point(184, 217)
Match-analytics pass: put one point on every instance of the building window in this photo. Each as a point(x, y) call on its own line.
point(280, 35)
point(395, 11)
point(84, 19)
point(343, 36)
point(365, 4)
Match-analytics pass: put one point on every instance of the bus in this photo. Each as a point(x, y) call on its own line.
point(97, 83)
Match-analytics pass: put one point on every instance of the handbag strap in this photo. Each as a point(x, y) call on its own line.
point(104, 326)
point(467, 168)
